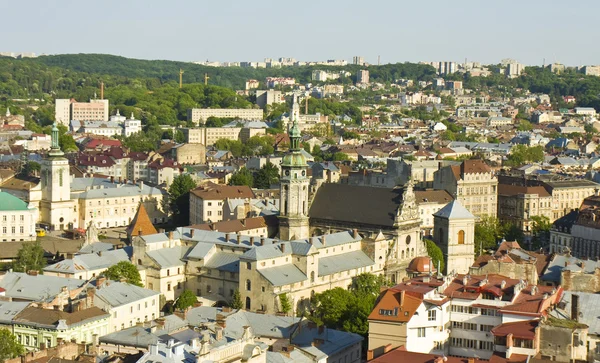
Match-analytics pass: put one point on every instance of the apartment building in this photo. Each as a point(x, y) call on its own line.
point(200, 115)
point(473, 183)
point(69, 109)
point(17, 219)
point(207, 201)
point(461, 315)
point(518, 204)
point(362, 76)
point(209, 135)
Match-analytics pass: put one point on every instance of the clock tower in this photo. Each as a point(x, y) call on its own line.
point(56, 207)
point(293, 215)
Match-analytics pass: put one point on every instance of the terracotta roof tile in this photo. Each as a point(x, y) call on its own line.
point(212, 191)
point(141, 224)
point(519, 329)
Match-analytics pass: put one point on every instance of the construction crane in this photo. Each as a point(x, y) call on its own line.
point(206, 77)
point(180, 78)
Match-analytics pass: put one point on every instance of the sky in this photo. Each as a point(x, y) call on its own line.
point(234, 30)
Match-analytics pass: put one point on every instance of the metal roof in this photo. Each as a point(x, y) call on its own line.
point(121, 293)
point(283, 275)
point(454, 210)
point(343, 262)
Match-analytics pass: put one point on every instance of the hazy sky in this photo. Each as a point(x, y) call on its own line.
point(398, 30)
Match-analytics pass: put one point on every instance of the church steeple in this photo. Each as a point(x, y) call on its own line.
point(7, 111)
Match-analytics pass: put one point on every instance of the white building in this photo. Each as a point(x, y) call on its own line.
point(200, 115)
point(17, 219)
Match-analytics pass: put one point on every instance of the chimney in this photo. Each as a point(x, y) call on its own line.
point(227, 235)
point(192, 233)
point(32, 272)
point(100, 281)
point(262, 241)
point(239, 239)
point(120, 180)
point(575, 307)
point(101, 90)
point(323, 240)
point(465, 280)
point(170, 235)
point(283, 247)
point(251, 240)
point(99, 253)
point(141, 184)
point(311, 240)
point(112, 179)
point(355, 233)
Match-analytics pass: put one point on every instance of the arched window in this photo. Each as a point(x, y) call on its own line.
point(408, 253)
point(248, 285)
point(461, 237)
point(403, 254)
point(139, 261)
point(407, 240)
point(412, 252)
point(248, 265)
point(248, 302)
point(312, 276)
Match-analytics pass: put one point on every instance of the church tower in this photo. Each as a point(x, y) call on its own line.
point(295, 114)
point(56, 206)
point(454, 233)
point(293, 215)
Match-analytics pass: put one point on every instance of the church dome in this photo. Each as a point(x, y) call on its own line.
point(421, 265)
point(293, 159)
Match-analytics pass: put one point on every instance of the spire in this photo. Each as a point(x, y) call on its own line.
point(295, 136)
point(408, 209)
point(7, 111)
point(55, 146)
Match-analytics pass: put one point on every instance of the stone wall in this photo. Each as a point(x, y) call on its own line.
point(511, 270)
point(580, 281)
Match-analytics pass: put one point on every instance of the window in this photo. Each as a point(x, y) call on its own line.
point(169, 287)
point(421, 332)
point(431, 315)
point(248, 285)
point(248, 265)
point(461, 237)
point(386, 312)
point(248, 303)
point(483, 345)
point(486, 328)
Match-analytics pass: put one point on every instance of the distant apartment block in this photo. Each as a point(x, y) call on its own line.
point(358, 60)
point(251, 84)
point(591, 70)
point(514, 69)
point(268, 97)
point(69, 109)
point(279, 81)
point(200, 115)
point(447, 67)
point(454, 85)
point(209, 135)
point(362, 76)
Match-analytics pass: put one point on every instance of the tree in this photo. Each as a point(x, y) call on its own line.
point(179, 198)
point(367, 284)
point(522, 154)
point(437, 257)
point(266, 176)
point(286, 305)
point(9, 346)
point(524, 125)
point(124, 270)
point(236, 300)
point(30, 257)
point(487, 234)
point(185, 300)
point(242, 177)
point(32, 168)
point(340, 156)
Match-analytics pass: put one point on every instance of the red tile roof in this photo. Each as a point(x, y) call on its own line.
point(519, 329)
point(141, 225)
point(401, 355)
point(400, 305)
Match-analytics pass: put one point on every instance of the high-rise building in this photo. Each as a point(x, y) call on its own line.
point(362, 76)
point(358, 60)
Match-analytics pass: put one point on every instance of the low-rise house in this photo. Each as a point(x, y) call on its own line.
point(207, 201)
point(88, 266)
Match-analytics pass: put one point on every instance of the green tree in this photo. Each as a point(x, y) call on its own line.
point(124, 270)
point(32, 168)
point(185, 300)
point(242, 177)
point(437, 257)
point(487, 234)
point(512, 232)
point(524, 125)
point(367, 284)
point(286, 305)
point(266, 176)
point(236, 300)
point(340, 156)
point(9, 346)
point(179, 198)
point(522, 154)
point(30, 257)
point(331, 306)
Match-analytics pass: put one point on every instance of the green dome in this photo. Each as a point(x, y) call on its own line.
point(293, 159)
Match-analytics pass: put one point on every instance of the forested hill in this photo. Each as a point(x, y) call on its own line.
point(232, 77)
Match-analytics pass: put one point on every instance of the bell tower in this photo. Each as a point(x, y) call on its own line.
point(293, 215)
point(56, 206)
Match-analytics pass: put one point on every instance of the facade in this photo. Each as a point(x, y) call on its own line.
point(268, 97)
point(473, 183)
point(207, 202)
point(127, 304)
point(454, 233)
point(430, 202)
point(87, 266)
point(67, 110)
point(35, 326)
point(518, 204)
point(209, 135)
point(200, 115)
point(17, 219)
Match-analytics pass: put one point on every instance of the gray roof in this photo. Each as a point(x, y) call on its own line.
point(91, 261)
point(343, 262)
point(8, 310)
point(454, 210)
point(169, 257)
point(141, 337)
point(570, 263)
point(224, 262)
point(589, 306)
point(268, 251)
point(21, 286)
point(94, 188)
point(121, 293)
point(283, 275)
point(97, 247)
